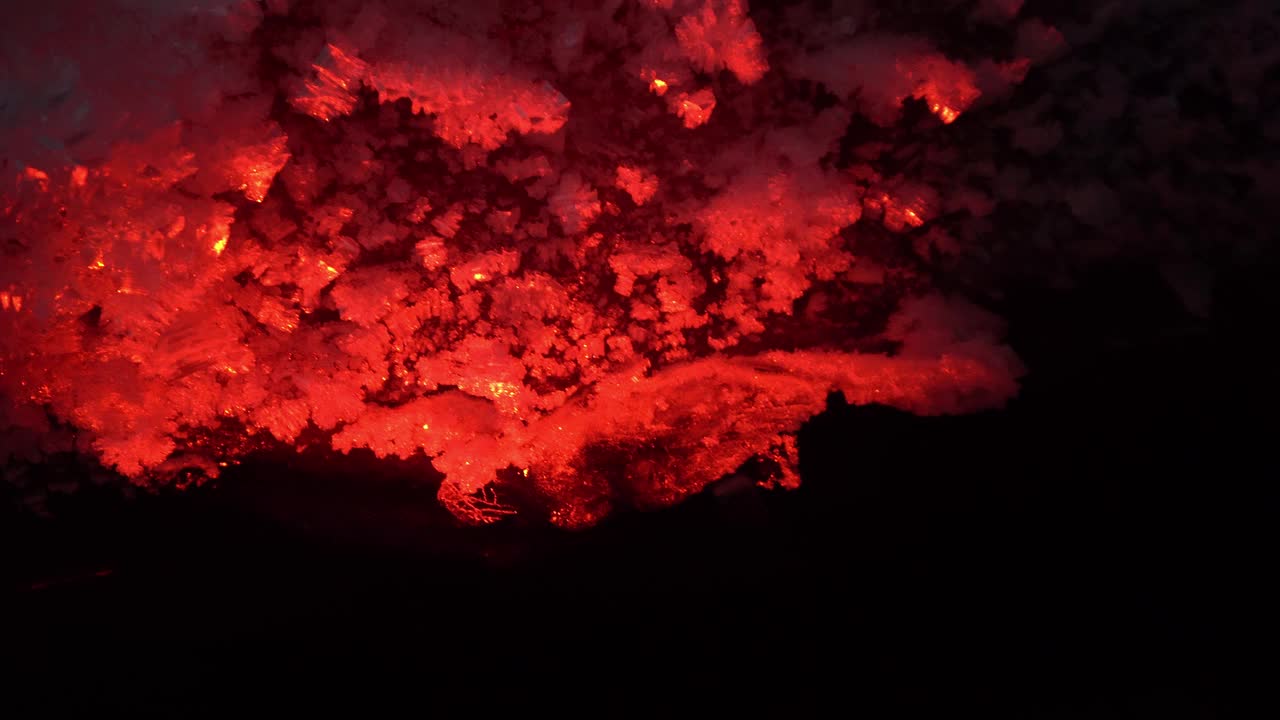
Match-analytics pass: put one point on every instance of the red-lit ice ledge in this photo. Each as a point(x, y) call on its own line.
point(408, 237)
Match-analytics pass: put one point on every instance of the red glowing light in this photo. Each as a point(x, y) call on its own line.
point(410, 241)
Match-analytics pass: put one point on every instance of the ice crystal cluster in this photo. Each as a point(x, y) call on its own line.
point(580, 254)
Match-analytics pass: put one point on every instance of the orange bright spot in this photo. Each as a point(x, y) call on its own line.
point(692, 114)
point(695, 109)
point(501, 389)
point(257, 181)
point(79, 175)
point(426, 426)
point(658, 87)
point(946, 114)
point(220, 244)
point(478, 276)
point(176, 227)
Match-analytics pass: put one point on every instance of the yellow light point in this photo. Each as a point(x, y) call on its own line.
point(945, 113)
point(525, 472)
point(333, 271)
point(426, 426)
point(478, 276)
point(658, 87)
point(914, 217)
point(255, 188)
point(501, 389)
point(97, 264)
point(220, 244)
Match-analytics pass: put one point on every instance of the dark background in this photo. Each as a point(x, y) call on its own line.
point(1095, 550)
point(1100, 548)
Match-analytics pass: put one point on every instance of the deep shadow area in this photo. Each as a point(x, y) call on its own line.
point(1088, 552)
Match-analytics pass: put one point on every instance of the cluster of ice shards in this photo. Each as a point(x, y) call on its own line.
point(607, 252)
